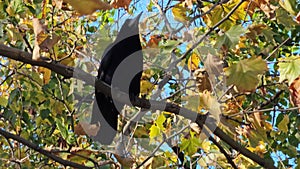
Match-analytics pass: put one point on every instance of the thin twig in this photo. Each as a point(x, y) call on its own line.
point(157, 148)
point(279, 46)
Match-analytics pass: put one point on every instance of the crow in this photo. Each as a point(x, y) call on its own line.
point(121, 67)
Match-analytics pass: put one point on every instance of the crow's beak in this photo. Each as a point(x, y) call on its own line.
point(138, 17)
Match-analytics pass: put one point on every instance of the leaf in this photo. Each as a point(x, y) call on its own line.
point(49, 42)
point(284, 18)
point(213, 65)
point(220, 12)
point(295, 92)
point(191, 145)
point(244, 74)
point(3, 101)
point(153, 41)
point(160, 120)
point(146, 87)
point(298, 18)
point(289, 68)
point(231, 37)
point(202, 80)
point(193, 62)
point(125, 161)
point(61, 127)
point(255, 30)
point(84, 128)
point(283, 125)
point(120, 4)
point(289, 5)
point(88, 7)
point(265, 6)
point(78, 156)
point(179, 13)
point(154, 131)
point(46, 74)
point(192, 102)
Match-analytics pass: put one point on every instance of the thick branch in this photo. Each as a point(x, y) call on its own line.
point(69, 72)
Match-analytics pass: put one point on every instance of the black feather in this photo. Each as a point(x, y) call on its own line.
point(127, 47)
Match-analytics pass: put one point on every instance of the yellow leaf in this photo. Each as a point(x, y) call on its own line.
point(283, 125)
point(154, 131)
point(146, 87)
point(179, 13)
point(261, 148)
point(205, 146)
point(160, 120)
point(193, 62)
point(3, 101)
point(221, 11)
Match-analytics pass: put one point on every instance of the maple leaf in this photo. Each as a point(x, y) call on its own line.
point(244, 74)
point(179, 13)
point(289, 68)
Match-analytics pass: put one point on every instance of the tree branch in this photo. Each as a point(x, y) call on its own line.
point(69, 72)
point(228, 157)
point(42, 151)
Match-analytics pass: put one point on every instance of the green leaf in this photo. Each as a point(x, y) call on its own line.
point(61, 128)
point(45, 113)
point(191, 145)
point(283, 125)
point(289, 68)
point(192, 102)
point(289, 5)
point(231, 37)
point(244, 74)
point(284, 18)
point(3, 101)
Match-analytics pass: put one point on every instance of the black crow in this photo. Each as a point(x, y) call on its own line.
point(120, 61)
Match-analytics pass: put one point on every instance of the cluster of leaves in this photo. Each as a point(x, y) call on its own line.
point(237, 59)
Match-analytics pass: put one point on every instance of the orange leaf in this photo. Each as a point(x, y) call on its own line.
point(120, 4)
point(153, 41)
point(295, 92)
point(46, 74)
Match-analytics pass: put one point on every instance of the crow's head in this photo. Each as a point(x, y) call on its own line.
point(129, 28)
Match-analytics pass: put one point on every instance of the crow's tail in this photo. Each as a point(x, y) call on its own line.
point(105, 113)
